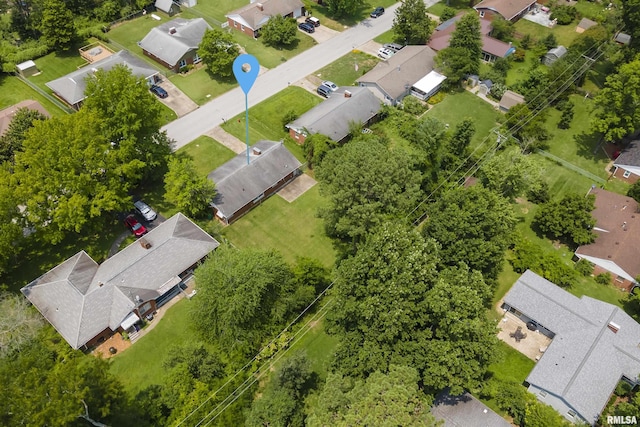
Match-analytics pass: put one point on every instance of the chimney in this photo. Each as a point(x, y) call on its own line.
point(260, 6)
point(172, 30)
point(347, 94)
point(614, 327)
point(100, 284)
point(144, 243)
point(256, 151)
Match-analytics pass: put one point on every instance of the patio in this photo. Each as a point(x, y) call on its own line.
point(532, 345)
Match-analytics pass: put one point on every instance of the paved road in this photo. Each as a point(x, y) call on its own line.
point(210, 115)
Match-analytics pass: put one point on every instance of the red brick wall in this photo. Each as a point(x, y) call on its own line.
point(96, 340)
point(237, 26)
point(619, 173)
point(297, 137)
point(618, 283)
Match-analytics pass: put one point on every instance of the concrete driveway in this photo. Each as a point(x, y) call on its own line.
point(321, 34)
point(180, 103)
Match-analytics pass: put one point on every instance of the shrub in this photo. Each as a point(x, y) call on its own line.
point(564, 14)
point(447, 13)
point(526, 41)
point(438, 97)
point(584, 267)
point(539, 193)
point(603, 279)
point(289, 117)
point(413, 105)
point(519, 55)
point(497, 90)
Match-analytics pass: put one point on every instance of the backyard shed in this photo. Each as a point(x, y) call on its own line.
point(27, 68)
point(584, 25)
point(554, 54)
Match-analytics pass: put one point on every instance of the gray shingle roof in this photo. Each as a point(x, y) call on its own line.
point(81, 298)
point(238, 183)
point(172, 47)
point(586, 359)
point(630, 156)
point(72, 86)
point(164, 5)
point(465, 411)
point(333, 116)
point(256, 14)
point(397, 74)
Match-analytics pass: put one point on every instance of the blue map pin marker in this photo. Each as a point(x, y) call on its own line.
point(246, 69)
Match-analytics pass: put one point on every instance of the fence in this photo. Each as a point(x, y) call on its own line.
point(51, 98)
point(572, 166)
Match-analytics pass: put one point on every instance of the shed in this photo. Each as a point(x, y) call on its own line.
point(554, 54)
point(167, 6)
point(427, 86)
point(27, 68)
point(584, 25)
point(623, 38)
point(510, 99)
point(485, 87)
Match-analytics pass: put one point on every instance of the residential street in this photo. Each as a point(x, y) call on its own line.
point(210, 115)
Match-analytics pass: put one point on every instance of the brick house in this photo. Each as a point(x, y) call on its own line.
point(252, 17)
point(627, 164)
point(511, 10)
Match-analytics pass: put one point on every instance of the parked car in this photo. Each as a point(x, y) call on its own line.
point(307, 28)
point(324, 91)
point(313, 21)
point(158, 91)
point(145, 210)
point(136, 228)
point(385, 53)
point(377, 12)
point(393, 46)
point(331, 85)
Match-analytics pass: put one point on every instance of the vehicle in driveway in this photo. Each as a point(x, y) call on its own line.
point(324, 91)
point(307, 28)
point(136, 228)
point(145, 210)
point(393, 46)
point(313, 21)
point(158, 91)
point(331, 85)
point(385, 53)
point(377, 12)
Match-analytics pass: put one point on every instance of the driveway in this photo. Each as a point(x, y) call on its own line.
point(322, 33)
point(180, 103)
point(208, 116)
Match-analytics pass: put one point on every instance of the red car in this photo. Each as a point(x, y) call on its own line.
point(136, 228)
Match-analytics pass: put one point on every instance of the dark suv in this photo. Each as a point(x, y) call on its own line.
point(378, 11)
point(158, 91)
point(308, 28)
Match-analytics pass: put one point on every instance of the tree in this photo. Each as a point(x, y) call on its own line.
point(366, 183)
point(527, 127)
point(57, 24)
point(634, 191)
point(617, 105)
point(550, 265)
point(411, 24)
point(502, 29)
point(342, 8)
point(464, 53)
point(563, 14)
point(190, 192)
point(383, 399)
point(461, 138)
point(317, 146)
point(279, 31)
point(237, 299)
point(539, 414)
point(568, 219)
point(10, 224)
point(511, 173)
point(11, 140)
point(218, 50)
point(19, 323)
point(447, 13)
point(549, 42)
point(473, 225)
point(631, 19)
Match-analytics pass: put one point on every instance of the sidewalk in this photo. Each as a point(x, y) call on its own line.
point(226, 139)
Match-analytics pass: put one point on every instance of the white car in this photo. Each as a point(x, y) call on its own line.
point(385, 53)
point(330, 85)
point(145, 210)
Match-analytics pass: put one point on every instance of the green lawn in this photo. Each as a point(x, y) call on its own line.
point(13, 91)
point(564, 34)
point(56, 65)
point(265, 119)
point(343, 71)
point(518, 70)
point(270, 57)
point(386, 37)
point(515, 366)
point(201, 86)
point(319, 347)
point(291, 228)
point(216, 9)
point(438, 8)
point(129, 33)
point(207, 154)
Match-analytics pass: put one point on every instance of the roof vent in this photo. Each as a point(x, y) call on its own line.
point(256, 151)
point(144, 243)
point(260, 6)
point(347, 94)
point(100, 284)
point(172, 30)
point(614, 327)
point(138, 299)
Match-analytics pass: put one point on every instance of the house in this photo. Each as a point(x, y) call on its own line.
point(241, 186)
point(622, 38)
point(617, 244)
point(594, 346)
point(7, 115)
point(252, 17)
point(71, 87)
point(492, 49)
point(428, 86)
point(510, 99)
point(464, 410)
point(334, 116)
point(174, 44)
point(554, 54)
point(511, 10)
point(584, 25)
point(391, 80)
point(167, 6)
point(627, 164)
point(87, 302)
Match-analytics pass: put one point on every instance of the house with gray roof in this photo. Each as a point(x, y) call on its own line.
point(252, 17)
point(70, 88)
point(174, 44)
point(391, 80)
point(87, 302)
point(464, 411)
point(241, 186)
point(617, 246)
point(595, 345)
point(627, 164)
point(334, 116)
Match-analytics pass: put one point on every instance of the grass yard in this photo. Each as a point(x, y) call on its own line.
point(207, 154)
point(56, 65)
point(450, 111)
point(270, 57)
point(291, 228)
point(438, 8)
point(514, 366)
point(386, 37)
point(129, 33)
point(13, 91)
point(319, 347)
point(518, 70)
point(564, 34)
point(217, 9)
point(200, 86)
point(265, 119)
point(343, 71)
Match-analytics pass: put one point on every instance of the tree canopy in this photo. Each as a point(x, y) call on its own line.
point(11, 140)
point(279, 31)
point(218, 50)
point(568, 219)
point(190, 192)
point(511, 173)
point(57, 24)
point(342, 8)
point(411, 24)
point(464, 53)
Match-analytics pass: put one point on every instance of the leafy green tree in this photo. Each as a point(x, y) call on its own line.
point(57, 24)
point(464, 53)
point(19, 323)
point(237, 299)
point(502, 29)
point(461, 138)
point(276, 407)
point(550, 265)
point(11, 140)
point(549, 42)
point(564, 14)
point(447, 13)
point(411, 24)
point(199, 362)
point(568, 219)
point(366, 183)
point(473, 225)
point(186, 189)
point(617, 105)
point(342, 8)
point(511, 173)
point(10, 224)
point(539, 414)
point(527, 127)
point(634, 191)
point(631, 19)
point(310, 272)
point(279, 31)
point(317, 146)
point(383, 399)
point(218, 50)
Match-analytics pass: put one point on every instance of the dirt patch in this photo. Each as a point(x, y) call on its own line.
point(297, 187)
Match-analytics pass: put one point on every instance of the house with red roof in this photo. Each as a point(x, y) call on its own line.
point(511, 10)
